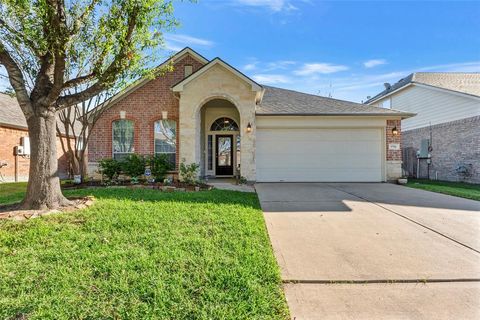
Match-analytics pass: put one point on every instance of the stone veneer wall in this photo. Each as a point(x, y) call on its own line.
point(144, 106)
point(218, 83)
point(453, 143)
point(394, 157)
point(10, 137)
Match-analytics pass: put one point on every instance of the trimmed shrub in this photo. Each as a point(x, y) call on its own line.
point(189, 173)
point(133, 165)
point(110, 168)
point(160, 165)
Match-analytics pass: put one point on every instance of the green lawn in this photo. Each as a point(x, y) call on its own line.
point(142, 254)
point(12, 192)
point(459, 189)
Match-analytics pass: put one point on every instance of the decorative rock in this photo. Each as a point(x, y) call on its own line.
point(180, 189)
point(89, 202)
point(169, 189)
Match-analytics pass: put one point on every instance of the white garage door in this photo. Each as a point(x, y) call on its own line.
point(319, 155)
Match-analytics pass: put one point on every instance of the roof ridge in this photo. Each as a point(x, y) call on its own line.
point(314, 95)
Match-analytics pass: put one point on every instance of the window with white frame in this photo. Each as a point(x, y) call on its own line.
point(165, 135)
point(123, 138)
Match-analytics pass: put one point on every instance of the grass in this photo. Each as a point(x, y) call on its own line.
point(12, 192)
point(458, 189)
point(142, 254)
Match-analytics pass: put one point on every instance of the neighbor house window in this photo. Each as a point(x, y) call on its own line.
point(165, 132)
point(122, 131)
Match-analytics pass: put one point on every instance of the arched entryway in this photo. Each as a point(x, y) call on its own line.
point(220, 139)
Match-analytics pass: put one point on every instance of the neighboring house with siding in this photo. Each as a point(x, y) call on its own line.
point(13, 131)
point(448, 115)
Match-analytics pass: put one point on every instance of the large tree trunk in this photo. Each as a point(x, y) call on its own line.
point(43, 190)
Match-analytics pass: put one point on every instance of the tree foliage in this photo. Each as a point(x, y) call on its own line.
point(50, 46)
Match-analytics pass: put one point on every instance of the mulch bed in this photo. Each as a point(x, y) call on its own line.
point(176, 185)
point(12, 211)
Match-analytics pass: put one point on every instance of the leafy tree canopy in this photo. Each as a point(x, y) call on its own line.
point(50, 46)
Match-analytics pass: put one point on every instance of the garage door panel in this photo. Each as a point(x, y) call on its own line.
point(321, 148)
point(341, 155)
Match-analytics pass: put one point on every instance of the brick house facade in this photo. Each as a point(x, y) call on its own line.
point(455, 150)
point(144, 106)
point(198, 92)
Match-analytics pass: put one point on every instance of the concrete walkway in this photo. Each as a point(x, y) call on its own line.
point(230, 184)
point(375, 233)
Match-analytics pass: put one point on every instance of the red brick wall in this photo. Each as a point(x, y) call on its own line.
point(394, 155)
point(10, 137)
point(144, 106)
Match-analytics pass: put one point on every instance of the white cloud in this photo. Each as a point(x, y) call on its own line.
point(274, 5)
point(282, 64)
point(177, 40)
point(250, 66)
point(271, 78)
point(374, 62)
point(323, 68)
point(473, 66)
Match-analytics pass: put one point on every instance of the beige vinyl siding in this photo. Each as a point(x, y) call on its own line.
point(432, 106)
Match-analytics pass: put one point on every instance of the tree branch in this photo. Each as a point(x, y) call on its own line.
point(20, 38)
point(17, 81)
point(78, 81)
point(108, 76)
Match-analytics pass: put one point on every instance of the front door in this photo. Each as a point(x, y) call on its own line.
point(224, 155)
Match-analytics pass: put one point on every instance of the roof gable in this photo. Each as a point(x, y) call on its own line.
point(172, 60)
point(217, 61)
point(463, 83)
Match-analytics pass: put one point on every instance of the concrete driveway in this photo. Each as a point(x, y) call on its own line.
point(374, 251)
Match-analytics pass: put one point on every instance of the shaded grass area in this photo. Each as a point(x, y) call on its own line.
point(459, 189)
point(143, 254)
point(12, 192)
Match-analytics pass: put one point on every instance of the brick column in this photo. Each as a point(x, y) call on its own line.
point(393, 157)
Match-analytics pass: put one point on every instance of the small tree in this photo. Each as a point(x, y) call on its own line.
point(76, 124)
point(50, 46)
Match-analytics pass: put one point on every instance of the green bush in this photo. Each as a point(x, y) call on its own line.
point(133, 165)
point(159, 165)
point(110, 168)
point(189, 172)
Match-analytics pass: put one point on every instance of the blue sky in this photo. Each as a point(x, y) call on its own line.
point(343, 49)
point(346, 49)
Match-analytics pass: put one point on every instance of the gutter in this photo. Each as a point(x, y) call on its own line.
point(404, 115)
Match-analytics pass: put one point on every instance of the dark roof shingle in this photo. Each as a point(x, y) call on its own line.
point(277, 101)
point(11, 114)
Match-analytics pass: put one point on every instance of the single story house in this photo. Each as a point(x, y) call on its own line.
point(14, 134)
point(209, 113)
point(443, 140)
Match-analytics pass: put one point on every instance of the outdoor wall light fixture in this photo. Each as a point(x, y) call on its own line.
point(395, 131)
point(249, 127)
